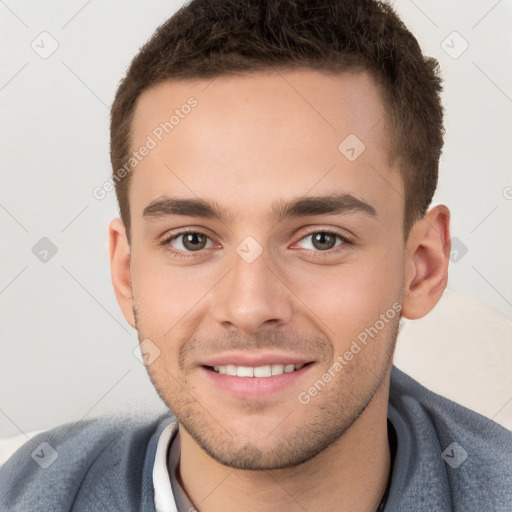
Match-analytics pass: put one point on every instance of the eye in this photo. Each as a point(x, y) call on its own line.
point(323, 241)
point(184, 243)
point(187, 241)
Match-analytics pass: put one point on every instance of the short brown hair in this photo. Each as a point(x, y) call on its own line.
point(208, 38)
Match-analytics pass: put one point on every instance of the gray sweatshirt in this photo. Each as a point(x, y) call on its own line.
point(448, 458)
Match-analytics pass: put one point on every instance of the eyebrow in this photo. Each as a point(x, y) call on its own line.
point(337, 204)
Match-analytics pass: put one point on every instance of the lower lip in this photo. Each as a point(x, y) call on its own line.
point(255, 387)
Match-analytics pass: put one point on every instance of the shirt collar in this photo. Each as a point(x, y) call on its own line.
point(164, 499)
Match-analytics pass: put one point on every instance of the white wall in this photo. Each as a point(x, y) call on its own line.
point(66, 351)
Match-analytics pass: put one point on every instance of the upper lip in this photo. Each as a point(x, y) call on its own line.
point(238, 358)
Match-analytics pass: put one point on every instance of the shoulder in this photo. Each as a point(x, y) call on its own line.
point(81, 461)
point(446, 452)
point(422, 406)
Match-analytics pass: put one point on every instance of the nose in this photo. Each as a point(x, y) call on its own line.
point(252, 296)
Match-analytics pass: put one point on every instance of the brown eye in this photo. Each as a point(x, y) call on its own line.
point(194, 241)
point(323, 241)
point(187, 242)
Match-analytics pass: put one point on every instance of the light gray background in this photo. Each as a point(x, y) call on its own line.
point(66, 351)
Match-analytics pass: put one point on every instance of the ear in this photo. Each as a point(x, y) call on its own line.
point(427, 258)
point(119, 251)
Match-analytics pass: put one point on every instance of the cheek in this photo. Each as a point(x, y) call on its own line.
point(169, 297)
point(351, 297)
point(343, 299)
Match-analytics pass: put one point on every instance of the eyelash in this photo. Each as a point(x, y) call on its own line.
point(181, 254)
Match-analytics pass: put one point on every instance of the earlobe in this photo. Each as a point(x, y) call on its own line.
point(119, 251)
point(427, 258)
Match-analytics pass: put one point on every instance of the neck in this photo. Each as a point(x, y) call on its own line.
point(351, 474)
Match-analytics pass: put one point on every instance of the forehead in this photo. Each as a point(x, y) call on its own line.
point(263, 136)
point(309, 99)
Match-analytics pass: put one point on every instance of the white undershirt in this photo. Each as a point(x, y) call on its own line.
point(164, 499)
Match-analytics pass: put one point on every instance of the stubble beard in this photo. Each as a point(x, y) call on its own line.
point(334, 410)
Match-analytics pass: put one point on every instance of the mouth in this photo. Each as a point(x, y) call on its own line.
point(269, 370)
point(261, 380)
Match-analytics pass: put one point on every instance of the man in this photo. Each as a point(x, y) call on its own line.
point(274, 163)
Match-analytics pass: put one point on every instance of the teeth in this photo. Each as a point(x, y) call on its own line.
point(231, 370)
point(277, 369)
point(245, 371)
point(263, 371)
point(258, 371)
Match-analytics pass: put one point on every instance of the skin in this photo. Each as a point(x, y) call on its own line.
point(253, 140)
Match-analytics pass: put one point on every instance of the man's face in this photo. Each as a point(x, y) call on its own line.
point(253, 289)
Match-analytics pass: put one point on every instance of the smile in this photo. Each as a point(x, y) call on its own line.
point(268, 370)
point(258, 381)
